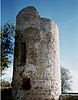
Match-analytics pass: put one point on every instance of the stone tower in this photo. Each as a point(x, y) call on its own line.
point(36, 60)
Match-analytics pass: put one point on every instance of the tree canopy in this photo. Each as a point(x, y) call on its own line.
point(7, 33)
point(65, 80)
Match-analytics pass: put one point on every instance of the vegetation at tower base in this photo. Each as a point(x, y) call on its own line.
point(65, 80)
point(7, 33)
point(5, 84)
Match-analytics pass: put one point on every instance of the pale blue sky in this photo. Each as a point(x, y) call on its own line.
point(63, 12)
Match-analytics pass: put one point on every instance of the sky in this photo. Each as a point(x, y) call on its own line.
point(65, 14)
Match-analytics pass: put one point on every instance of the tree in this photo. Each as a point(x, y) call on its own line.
point(65, 80)
point(7, 33)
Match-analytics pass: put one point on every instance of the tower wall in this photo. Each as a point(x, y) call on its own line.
point(36, 60)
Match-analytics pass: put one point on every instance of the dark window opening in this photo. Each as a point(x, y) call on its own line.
point(26, 84)
point(23, 54)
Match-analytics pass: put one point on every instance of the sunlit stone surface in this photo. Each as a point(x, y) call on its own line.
point(36, 60)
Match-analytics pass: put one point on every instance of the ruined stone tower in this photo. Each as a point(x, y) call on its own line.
point(36, 60)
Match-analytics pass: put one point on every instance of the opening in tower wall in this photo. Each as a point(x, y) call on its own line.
point(26, 84)
point(23, 54)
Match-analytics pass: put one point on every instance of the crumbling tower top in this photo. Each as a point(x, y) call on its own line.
point(29, 10)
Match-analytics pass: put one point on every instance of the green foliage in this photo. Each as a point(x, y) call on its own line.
point(7, 34)
point(65, 80)
point(5, 84)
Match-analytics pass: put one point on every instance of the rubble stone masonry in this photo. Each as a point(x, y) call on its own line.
point(36, 73)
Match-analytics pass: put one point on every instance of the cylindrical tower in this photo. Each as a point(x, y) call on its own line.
point(36, 59)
